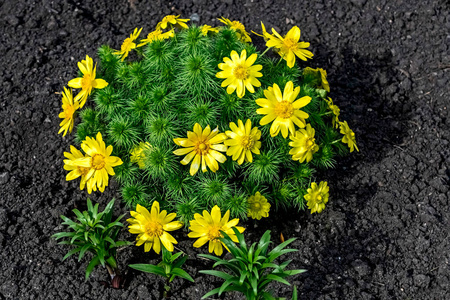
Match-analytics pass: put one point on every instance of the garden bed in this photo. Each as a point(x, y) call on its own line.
point(384, 232)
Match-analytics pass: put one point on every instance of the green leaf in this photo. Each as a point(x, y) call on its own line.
point(83, 250)
point(79, 215)
point(277, 278)
point(294, 272)
point(219, 274)
point(228, 282)
point(60, 235)
point(94, 262)
point(71, 252)
point(181, 273)
point(274, 255)
point(294, 293)
point(263, 244)
point(149, 269)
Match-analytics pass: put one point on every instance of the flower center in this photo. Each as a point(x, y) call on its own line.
point(154, 228)
point(310, 142)
point(127, 45)
point(352, 134)
point(98, 161)
point(256, 206)
point(284, 109)
point(69, 110)
point(83, 171)
point(290, 44)
point(202, 148)
point(214, 233)
point(247, 142)
point(319, 199)
point(240, 72)
point(86, 82)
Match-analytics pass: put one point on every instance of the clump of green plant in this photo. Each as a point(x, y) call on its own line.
point(97, 233)
point(251, 269)
point(169, 268)
point(200, 114)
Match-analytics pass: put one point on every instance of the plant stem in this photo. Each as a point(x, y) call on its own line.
point(264, 52)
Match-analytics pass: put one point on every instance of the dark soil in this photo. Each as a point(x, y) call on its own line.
point(384, 234)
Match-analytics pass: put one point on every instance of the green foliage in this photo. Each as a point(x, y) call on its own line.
point(94, 232)
point(170, 85)
point(169, 268)
point(251, 269)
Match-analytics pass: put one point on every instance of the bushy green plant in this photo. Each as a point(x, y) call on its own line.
point(169, 268)
point(94, 232)
point(251, 269)
point(170, 83)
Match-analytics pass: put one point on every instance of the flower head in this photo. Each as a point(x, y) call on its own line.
point(137, 154)
point(69, 107)
point(349, 136)
point(336, 112)
point(322, 76)
point(128, 44)
point(206, 28)
point(289, 46)
point(152, 227)
point(240, 73)
point(243, 140)
point(304, 144)
point(258, 207)
point(283, 109)
point(317, 196)
point(264, 34)
point(172, 21)
point(99, 161)
point(76, 171)
point(207, 228)
point(157, 35)
point(239, 28)
point(203, 146)
point(87, 82)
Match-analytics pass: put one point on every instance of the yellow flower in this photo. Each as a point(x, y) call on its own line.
point(76, 171)
point(202, 145)
point(289, 46)
point(87, 82)
point(157, 35)
point(239, 28)
point(240, 73)
point(172, 21)
point(98, 160)
point(137, 154)
point(152, 227)
point(317, 196)
point(349, 136)
point(264, 34)
point(258, 207)
point(207, 228)
point(304, 144)
point(283, 108)
point(323, 77)
point(128, 44)
point(336, 112)
point(206, 28)
point(243, 140)
point(69, 107)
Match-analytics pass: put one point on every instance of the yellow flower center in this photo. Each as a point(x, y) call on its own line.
point(310, 142)
point(319, 199)
point(256, 206)
point(290, 44)
point(201, 147)
point(82, 170)
point(284, 109)
point(98, 161)
point(154, 228)
point(86, 82)
point(69, 111)
point(240, 72)
point(127, 45)
point(352, 134)
point(214, 233)
point(247, 142)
